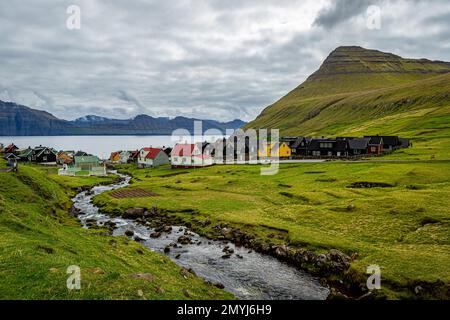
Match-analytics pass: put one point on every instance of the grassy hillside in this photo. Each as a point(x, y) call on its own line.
point(405, 228)
point(358, 91)
point(39, 240)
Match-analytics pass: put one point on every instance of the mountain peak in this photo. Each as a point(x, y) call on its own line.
point(356, 59)
point(91, 118)
point(332, 96)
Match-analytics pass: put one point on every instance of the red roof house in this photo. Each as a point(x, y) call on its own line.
point(11, 148)
point(152, 157)
point(189, 155)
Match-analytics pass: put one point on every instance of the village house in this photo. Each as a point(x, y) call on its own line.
point(25, 155)
point(300, 146)
point(281, 150)
point(11, 157)
point(230, 153)
point(44, 155)
point(358, 146)
point(389, 142)
point(152, 157)
point(375, 145)
point(134, 156)
point(218, 151)
point(84, 166)
point(12, 148)
point(289, 140)
point(115, 157)
point(278, 149)
point(325, 147)
point(167, 151)
point(81, 154)
point(40, 155)
point(65, 157)
point(124, 156)
point(236, 149)
point(189, 155)
point(247, 151)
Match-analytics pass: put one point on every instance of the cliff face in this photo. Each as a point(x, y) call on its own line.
point(18, 120)
point(352, 60)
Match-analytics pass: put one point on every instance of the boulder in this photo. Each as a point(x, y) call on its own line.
point(155, 235)
point(281, 251)
point(129, 233)
point(133, 213)
point(184, 239)
point(74, 212)
point(219, 285)
point(338, 261)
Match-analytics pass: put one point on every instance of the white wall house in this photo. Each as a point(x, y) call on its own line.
point(152, 157)
point(124, 157)
point(189, 155)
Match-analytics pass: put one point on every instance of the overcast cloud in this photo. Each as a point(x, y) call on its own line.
point(209, 59)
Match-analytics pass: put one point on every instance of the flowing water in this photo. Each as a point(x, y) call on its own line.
point(246, 274)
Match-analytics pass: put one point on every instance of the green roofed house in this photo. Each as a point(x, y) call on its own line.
point(84, 166)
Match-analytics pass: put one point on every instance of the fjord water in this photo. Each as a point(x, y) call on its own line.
point(253, 276)
point(101, 146)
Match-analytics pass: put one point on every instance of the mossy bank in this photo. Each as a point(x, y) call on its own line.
point(400, 222)
point(40, 240)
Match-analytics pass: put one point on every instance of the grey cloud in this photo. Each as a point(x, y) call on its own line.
point(125, 96)
point(342, 10)
point(47, 100)
point(206, 59)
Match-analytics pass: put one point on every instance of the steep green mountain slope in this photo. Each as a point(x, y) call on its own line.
point(360, 91)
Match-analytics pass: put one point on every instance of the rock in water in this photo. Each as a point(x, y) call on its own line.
point(133, 213)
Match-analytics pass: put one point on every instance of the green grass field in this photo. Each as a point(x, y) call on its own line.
point(39, 240)
point(405, 228)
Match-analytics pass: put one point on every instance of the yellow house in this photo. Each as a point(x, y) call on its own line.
point(115, 156)
point(280, 150)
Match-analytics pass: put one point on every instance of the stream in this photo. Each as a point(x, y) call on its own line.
point(247, 274)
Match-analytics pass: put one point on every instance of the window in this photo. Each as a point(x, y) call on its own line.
point(326, 145)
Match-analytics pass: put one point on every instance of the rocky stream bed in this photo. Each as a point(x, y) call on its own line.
point(246, 273)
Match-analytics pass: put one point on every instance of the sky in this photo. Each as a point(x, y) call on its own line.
point(209, 59)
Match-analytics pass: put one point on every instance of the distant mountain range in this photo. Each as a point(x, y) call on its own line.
point(19, 120)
